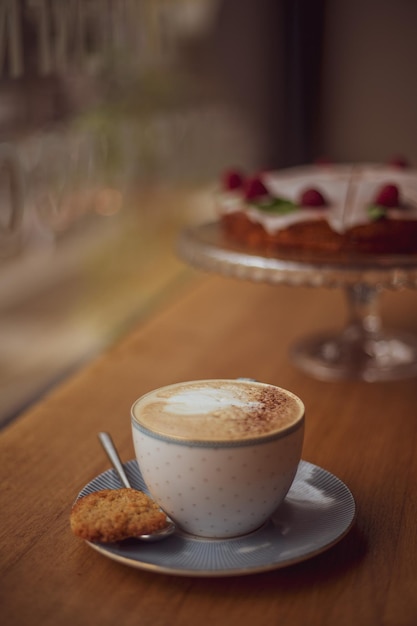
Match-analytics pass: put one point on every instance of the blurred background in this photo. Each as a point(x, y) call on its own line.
point(116, 119)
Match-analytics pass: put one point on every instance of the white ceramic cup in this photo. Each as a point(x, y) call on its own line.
point(218, 456)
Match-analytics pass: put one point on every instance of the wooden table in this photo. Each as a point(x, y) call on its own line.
point(366, 434)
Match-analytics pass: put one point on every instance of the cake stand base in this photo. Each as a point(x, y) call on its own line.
point(363, 350)
point(342, 357)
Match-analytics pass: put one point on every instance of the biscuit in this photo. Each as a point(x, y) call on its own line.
point(115, 514)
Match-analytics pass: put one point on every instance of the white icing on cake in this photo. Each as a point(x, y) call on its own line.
point(348, 190)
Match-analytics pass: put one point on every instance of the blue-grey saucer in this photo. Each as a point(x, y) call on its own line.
point(318, 511)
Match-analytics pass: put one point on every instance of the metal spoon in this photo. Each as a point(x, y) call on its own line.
point(111, 451)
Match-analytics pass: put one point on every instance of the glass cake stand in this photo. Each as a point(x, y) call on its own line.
point(362, 349)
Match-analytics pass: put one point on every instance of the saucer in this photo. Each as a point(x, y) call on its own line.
point(318, 511)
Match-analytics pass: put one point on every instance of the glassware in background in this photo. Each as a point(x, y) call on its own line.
point(11, 199)
point(97, 100)
point(113, 141)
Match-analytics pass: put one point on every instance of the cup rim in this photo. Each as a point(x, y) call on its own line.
point(219, 443)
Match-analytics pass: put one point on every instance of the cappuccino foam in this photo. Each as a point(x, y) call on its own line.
point(218, 410)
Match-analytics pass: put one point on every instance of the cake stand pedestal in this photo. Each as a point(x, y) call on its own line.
point(362, 350)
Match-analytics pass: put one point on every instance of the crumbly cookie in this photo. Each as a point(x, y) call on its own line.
point(115, 514)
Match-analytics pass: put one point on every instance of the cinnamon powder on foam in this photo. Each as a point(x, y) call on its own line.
point(274, 411)
point(268, 409)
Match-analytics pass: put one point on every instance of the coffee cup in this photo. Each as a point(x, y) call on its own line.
point(218, 456)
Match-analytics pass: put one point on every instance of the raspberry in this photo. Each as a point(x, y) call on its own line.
point(254, 188)
point(232, 179)
point(323, 160)
point(312, 197)
point(399, 161)
point(388, 196)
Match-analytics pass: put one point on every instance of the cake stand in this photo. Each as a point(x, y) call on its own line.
point(362, 349)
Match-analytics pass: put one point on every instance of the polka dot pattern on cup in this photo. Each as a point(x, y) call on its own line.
point(218, 491)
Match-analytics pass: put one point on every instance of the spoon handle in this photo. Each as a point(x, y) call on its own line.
point(110, 449)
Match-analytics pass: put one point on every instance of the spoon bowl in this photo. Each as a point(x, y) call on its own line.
point(111, 451)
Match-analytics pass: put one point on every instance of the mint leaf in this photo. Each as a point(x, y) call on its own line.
point(376, 212)
point(275, 205)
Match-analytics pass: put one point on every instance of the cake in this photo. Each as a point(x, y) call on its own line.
point(327, 208)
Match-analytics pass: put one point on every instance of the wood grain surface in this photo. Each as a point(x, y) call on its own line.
point(365, 433)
